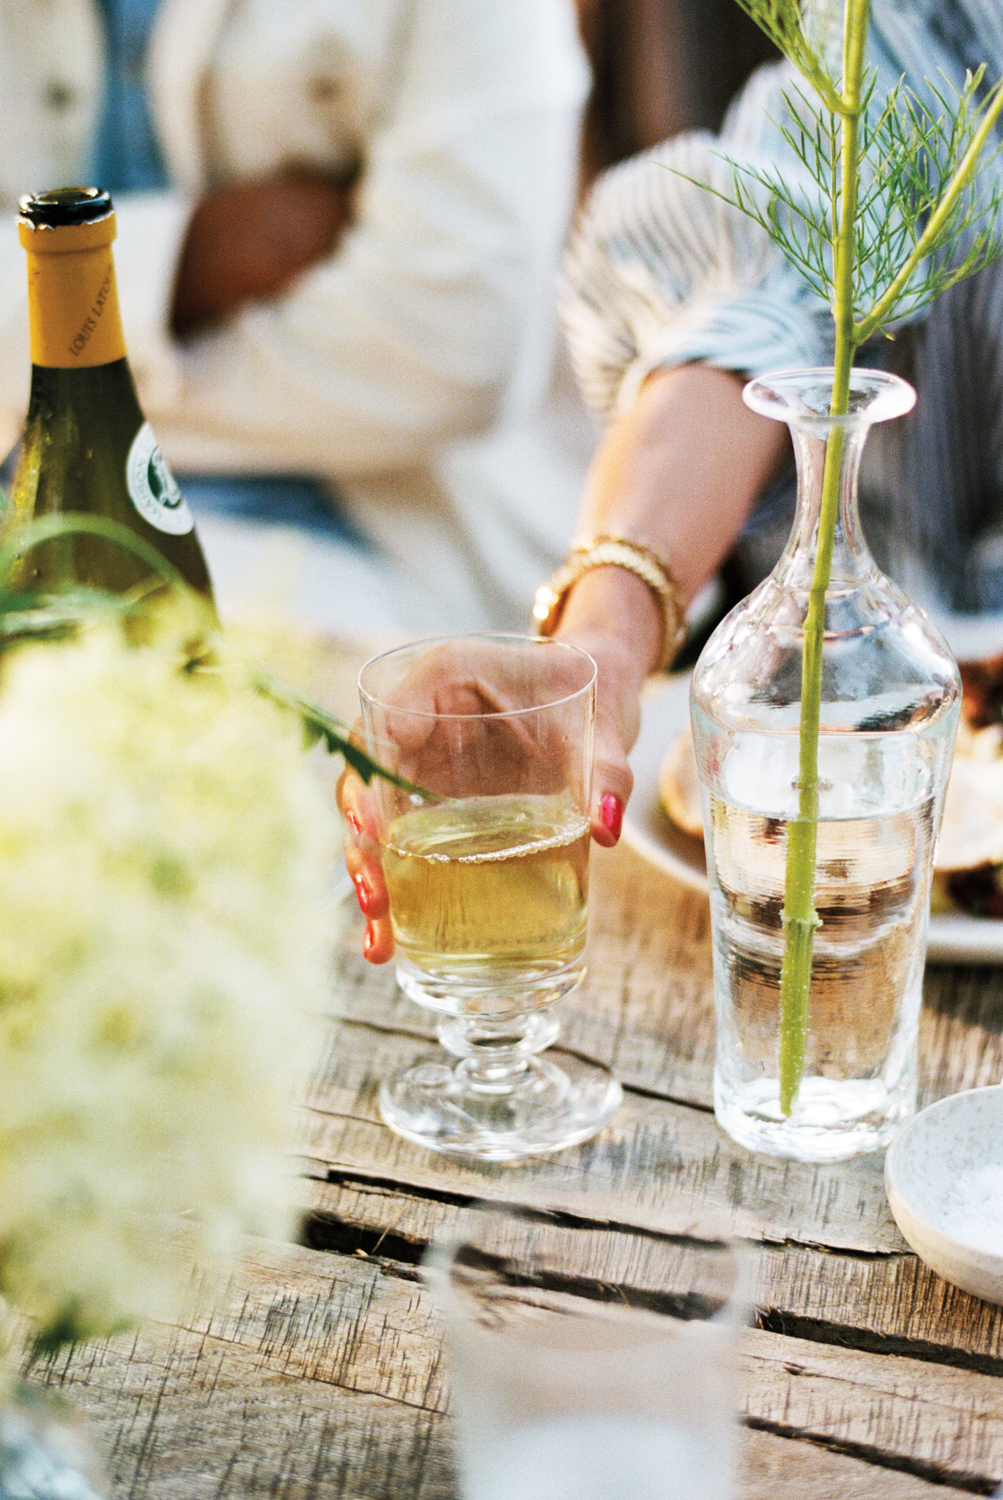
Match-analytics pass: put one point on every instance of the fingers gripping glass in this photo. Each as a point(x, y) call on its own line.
point(487, 875)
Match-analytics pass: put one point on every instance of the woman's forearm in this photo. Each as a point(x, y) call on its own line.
point(680, 470)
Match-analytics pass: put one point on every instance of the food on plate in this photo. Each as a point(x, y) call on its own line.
point(982, 692)
point(968, 868)
point(679, 785)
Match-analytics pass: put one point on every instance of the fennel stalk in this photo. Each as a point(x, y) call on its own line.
point(896, 193)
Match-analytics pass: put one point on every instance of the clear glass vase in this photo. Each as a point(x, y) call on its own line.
point(833, 1075)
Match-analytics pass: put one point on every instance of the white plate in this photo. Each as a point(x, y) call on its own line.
point(944, 1180)
point(952, 939)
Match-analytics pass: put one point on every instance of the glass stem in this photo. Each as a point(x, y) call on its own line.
point(496, 1053)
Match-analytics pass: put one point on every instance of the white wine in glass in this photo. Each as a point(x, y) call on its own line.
point(486, 863)
point(489, 888)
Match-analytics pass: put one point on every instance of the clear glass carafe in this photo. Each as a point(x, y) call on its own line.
point(890, 697)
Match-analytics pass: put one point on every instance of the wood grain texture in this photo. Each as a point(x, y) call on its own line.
point(646, 1010)
point(315, 1375)
point(873, 1375)
point(961, 1030)
point(892, 1303)
point(774, 1468)
point(934, 1421)
point(319, 1375)
point(660, 1165)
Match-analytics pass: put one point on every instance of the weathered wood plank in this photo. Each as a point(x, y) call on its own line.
point(961, 1032)
point(321, 1375)
point(894, 1302)
point(659, 1165)
point(184, 1417)
point(934, 1421)
point(315, 1375)
point(772, 1467)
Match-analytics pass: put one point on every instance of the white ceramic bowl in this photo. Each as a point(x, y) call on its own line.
point(944, 1180)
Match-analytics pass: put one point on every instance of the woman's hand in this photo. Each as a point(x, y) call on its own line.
point(362, 860)
point(460, 722)
point(617, 722)
point(680, 469)
point(440, 685)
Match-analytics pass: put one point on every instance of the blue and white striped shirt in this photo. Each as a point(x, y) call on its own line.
point(661, 272)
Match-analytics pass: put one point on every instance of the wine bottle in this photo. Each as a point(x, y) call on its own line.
point(87, 447)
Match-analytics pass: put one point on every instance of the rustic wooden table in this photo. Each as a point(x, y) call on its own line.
point(322, 1374)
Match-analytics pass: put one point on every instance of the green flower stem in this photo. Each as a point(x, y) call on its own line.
point(45, 528)
point(25, 616)
point(799, 917)
point(858, 257)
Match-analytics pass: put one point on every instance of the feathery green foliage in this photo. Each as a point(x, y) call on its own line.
point(916, 200)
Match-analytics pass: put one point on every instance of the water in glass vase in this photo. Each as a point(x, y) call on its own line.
point(487, 893)
point(871, 896)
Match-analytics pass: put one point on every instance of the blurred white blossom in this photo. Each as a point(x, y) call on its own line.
point(164, 860)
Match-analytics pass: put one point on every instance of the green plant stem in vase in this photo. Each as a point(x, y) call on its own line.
point(882, 213)
point(944, 221)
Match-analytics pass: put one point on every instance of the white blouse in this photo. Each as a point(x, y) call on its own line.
point(412, 369)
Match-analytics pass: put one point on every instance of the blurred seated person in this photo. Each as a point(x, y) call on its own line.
point(339, 228)
point(672, 300)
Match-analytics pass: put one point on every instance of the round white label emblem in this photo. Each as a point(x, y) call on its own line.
point(153, 488)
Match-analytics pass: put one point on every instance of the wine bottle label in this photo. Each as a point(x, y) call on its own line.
point(153, 488)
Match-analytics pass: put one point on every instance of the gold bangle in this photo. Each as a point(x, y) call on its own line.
point(610, 551)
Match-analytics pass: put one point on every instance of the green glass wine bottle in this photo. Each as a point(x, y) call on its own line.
point(86, 446)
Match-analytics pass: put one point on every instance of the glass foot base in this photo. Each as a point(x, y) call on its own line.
point(546, 1108)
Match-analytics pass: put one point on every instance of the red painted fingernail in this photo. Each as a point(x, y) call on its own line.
point(363, 893)
point(611, 814)
point(354, 821)
point(369, 939)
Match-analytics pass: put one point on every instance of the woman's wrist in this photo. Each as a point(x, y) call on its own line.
point(614, 550)
point(616, 607)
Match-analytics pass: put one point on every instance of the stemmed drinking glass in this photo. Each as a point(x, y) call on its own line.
point(485, 854)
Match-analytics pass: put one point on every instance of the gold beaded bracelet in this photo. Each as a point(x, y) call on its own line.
point(610, 551)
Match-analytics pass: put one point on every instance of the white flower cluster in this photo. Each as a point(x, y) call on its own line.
point(165, 855)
